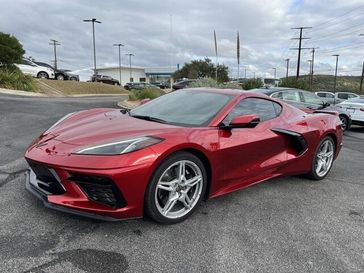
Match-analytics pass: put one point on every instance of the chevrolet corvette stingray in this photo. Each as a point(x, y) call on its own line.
point(163, 157)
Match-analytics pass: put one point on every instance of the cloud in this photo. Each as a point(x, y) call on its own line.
point(159, 33)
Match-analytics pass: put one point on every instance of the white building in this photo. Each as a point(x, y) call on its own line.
point(138, 74)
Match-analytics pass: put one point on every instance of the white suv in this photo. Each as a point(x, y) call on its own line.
point(338, 97)
point(30, 68)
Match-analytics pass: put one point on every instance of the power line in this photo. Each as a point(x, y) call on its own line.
point(335, 18)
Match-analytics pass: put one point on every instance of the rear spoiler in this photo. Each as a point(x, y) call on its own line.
point(334, 113)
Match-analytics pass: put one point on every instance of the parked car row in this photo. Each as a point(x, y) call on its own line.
point(45, 71)
point(139, 85)
point(307, 101)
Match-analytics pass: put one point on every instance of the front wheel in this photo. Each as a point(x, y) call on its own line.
point(176, 189)
point(43, 75)
point(323, 159)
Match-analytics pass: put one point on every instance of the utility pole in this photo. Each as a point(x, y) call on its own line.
point(130, 54)
point(299, 48)
point(119, 45)
point(337, 60)
point(361, 80)
point(93, 21)
point(55, 43)
point(287, 61)
point(254, 75)
point(244, 73)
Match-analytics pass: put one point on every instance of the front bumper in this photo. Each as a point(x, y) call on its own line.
point(41, 195)
point(84, 197)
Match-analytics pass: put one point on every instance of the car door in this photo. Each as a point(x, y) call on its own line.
point(28, 68)
point(252, 153)
point(311, 100)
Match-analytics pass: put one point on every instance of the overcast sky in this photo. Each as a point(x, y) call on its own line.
point(161, 33)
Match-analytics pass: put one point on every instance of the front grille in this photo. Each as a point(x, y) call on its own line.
point(47, 179)
point(99, 189)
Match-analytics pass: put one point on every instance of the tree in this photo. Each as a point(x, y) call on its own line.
point(198, 69)
point(11, 51)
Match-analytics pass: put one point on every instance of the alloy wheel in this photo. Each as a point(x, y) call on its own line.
point(324, 158)
point(179, 189)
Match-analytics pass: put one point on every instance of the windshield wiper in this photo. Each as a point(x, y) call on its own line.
point(149, 118)
point(125, 111)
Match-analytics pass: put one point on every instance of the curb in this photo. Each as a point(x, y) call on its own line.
point(20, 93)
point(125, 105)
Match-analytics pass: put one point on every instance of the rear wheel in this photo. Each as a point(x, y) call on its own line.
point(60, 77)
point(344, 122)
point(323, 159)
point(42, 75)
point(176, 189)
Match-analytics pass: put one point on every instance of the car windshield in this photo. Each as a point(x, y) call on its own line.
point(185, 108)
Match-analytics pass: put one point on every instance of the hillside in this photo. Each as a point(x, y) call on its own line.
point(326, 83)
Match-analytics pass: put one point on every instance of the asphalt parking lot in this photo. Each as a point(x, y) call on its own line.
point(288, 224)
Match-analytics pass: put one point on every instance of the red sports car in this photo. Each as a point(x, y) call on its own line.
point(162, 158)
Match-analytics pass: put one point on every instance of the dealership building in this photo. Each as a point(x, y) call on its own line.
point(138, 74)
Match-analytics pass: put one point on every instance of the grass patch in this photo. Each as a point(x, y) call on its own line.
point(148, 93)
point(13, 78)
point(79, 88)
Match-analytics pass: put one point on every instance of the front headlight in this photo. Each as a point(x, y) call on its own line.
point(120, 147)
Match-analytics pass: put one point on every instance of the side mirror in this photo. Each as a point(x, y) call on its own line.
point(245, 121)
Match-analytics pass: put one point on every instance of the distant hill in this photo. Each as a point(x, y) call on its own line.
point(326, 83)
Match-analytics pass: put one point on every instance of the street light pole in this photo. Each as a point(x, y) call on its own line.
point(275, 72)
point(93, 21)
point(130, 54)
point(287, 61)
point(337, 60)
point(119, 45)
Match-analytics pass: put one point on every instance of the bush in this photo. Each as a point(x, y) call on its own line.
point(13, 78)
point(252, 83)
point(148, 93)
point(293, 82)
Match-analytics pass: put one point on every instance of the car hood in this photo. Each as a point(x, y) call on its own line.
point(105, 125)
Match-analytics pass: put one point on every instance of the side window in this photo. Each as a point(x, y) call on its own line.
point(311, 98)
point(25, 62)
point(291, 95)
point(322, 95)
point(262, 108)
point(351, 96)
point(342, 96)
point(277, 95)
point(331, 96)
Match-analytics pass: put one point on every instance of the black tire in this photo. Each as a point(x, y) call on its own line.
point(115, 84)
point(60, 77)
point(344, 122)
point(313, 174)
point(43, 75)
point(150, 196)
